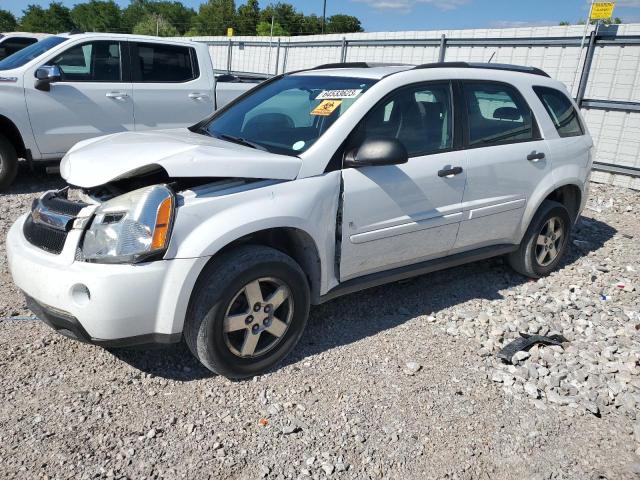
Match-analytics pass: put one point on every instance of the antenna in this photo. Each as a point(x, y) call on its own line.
point(492, 55)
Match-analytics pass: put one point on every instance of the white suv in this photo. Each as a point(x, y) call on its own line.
point(315, 184)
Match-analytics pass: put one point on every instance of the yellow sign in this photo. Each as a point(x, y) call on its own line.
point(230, 32)
point(602, 10)
point(326, 107)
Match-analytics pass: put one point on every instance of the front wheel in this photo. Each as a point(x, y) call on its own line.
point(545, 241)
point(248, 310)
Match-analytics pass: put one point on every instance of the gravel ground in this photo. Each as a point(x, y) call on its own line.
point(397, 382)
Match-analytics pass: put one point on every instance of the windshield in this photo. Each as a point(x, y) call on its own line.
point(27, 54)
point(288, 115)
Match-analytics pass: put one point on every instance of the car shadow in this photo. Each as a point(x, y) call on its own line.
point(33, 181)
point(360, 315)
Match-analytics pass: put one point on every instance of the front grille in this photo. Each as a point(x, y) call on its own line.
point(50, 220)
point(62, 205)
point(44, 237)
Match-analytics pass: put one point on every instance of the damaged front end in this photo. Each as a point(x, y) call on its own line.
point(127, 220)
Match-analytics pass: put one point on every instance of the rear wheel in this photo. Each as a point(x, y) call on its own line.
point(8, 163)
point(247, 312)
point(545, 241)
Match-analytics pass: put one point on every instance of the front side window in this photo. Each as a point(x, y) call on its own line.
point(497, 114)
point(91, 62)
point(155, 63)
point(288, 115)
point(420, 117)
point(561, 110)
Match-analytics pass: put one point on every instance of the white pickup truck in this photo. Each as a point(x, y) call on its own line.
point(71, 87)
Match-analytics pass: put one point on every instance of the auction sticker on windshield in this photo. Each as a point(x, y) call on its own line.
point(326, 107)
point(335, 94)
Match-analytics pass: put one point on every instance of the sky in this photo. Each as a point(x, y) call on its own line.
point(393, 15)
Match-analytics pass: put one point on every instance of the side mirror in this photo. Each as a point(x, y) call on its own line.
point(377, 151)
point(47, 75)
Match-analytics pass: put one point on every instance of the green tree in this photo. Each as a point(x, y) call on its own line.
point(286, 15)
point(97, 16)
point(8, 22)
point(175, 13)
point(343, 24)
point(55, 19)
point(248, 18)
point(564, 23)
point(264, 30)
point(311, 25)
point(214, 17)
point(155, 25)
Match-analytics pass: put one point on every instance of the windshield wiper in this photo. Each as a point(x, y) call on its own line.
point(241, 141)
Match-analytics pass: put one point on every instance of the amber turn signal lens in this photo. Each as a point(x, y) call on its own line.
point(163, 218)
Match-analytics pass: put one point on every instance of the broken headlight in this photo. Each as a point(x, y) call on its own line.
point(132, 227)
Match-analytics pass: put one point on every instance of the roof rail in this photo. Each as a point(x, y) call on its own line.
point(327, 66)
point(493, 66)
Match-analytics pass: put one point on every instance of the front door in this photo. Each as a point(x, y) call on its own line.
point(402, 214)
point(170, 90)
point(91, 99)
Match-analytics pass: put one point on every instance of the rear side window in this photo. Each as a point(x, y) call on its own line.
point(155, 63)
point(561, 110)
point(497, 114)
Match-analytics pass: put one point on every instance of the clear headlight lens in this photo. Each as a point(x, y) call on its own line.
point(131, 227)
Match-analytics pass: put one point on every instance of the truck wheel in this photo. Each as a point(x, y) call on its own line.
point(545, 241)
point(248, 310)
point(8, 163)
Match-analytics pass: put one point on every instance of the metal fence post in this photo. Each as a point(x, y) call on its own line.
point(343, 52)
point(586, 68)
point(443, 48)
point(229, 55)
point(277, 56)
point(284, 58)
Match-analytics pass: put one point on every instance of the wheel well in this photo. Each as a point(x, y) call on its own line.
point(570, 196)
point(292, 241)
point(9, 130)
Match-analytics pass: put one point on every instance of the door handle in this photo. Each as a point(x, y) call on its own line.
point(535, 156)
point(198, 96)
point(117, 95)
point(450, 172)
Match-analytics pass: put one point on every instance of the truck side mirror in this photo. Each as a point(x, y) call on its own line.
point(47, 75)
point(377, 151)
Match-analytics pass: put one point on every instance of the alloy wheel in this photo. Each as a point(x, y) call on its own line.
point(258, 317)
point(550, 241)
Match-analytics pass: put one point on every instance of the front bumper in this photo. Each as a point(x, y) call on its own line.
point(99, 303)
point(69, 326)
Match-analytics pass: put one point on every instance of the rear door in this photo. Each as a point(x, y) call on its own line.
point(397, 215)
point(170, 90)
point(507, 160)
point(92, 98)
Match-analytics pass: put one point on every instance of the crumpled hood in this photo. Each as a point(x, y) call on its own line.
point(180, 152)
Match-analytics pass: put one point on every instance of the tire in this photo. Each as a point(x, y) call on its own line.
point(8, 163)
point(533, 260)
point(217, 328)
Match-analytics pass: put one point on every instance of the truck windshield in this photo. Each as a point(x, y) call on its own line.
point(288, 115)
point(27, 54)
